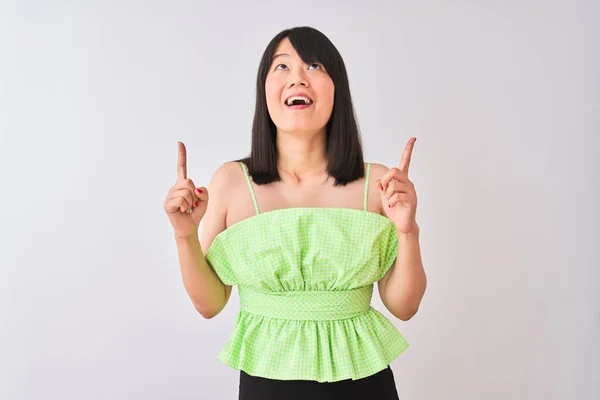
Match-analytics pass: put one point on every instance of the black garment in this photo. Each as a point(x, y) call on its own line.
point(380, 386)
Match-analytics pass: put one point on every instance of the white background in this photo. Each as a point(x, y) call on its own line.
point(503, 97)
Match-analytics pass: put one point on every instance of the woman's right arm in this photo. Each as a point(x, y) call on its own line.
point(206, 291)
point(186, 205)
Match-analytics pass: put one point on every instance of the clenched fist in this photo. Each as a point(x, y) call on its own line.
point(185, 204)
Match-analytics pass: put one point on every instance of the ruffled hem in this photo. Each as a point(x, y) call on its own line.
point(323, 351)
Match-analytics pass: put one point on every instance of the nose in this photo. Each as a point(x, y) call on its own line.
point(298, 79)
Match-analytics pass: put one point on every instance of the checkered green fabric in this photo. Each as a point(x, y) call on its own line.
point(305, 280)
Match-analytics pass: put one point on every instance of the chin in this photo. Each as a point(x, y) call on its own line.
point(301, 129)
point(301, 125)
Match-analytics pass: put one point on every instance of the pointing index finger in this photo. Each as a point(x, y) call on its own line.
point(181, 161)
point(406, 156)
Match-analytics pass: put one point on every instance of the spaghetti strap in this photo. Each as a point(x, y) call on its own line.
point(366, 195)
point(250, 186)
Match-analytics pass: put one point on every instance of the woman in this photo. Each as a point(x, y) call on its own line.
point(304, 228)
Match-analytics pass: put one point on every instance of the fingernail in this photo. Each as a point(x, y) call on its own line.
point(199, 190)
point(196, 204)
point(389, 206)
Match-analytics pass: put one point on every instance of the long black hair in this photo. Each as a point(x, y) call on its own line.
point(343, 144)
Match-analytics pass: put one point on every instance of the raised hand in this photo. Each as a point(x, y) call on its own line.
point(185, 204)
point(398, 195)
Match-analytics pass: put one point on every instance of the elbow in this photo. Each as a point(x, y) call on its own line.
point(402, 308)
point(210, 309)
point(207, 313)
point(406, 314)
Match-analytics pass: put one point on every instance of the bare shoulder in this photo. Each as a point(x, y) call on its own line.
point(377, 172)
point(225, 182)
point(226, 175)
point(222, 184)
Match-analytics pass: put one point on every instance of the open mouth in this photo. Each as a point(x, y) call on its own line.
point(299, 100)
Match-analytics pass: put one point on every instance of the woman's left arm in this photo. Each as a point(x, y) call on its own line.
point(403, 286)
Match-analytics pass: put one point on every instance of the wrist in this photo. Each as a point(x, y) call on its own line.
point(187, 239)
point(412, 232)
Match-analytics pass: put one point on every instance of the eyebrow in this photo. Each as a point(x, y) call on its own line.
point(279, 55)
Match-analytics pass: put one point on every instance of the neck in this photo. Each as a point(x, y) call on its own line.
point(301, 156)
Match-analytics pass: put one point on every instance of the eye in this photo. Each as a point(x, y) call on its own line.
point(281, 67)
point(315, 66)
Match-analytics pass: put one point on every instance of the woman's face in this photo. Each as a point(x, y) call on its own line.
point(299, 96)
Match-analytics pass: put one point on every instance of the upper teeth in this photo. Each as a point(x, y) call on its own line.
point(291, 100)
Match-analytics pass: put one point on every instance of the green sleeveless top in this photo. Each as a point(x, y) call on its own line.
point(305, 279)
